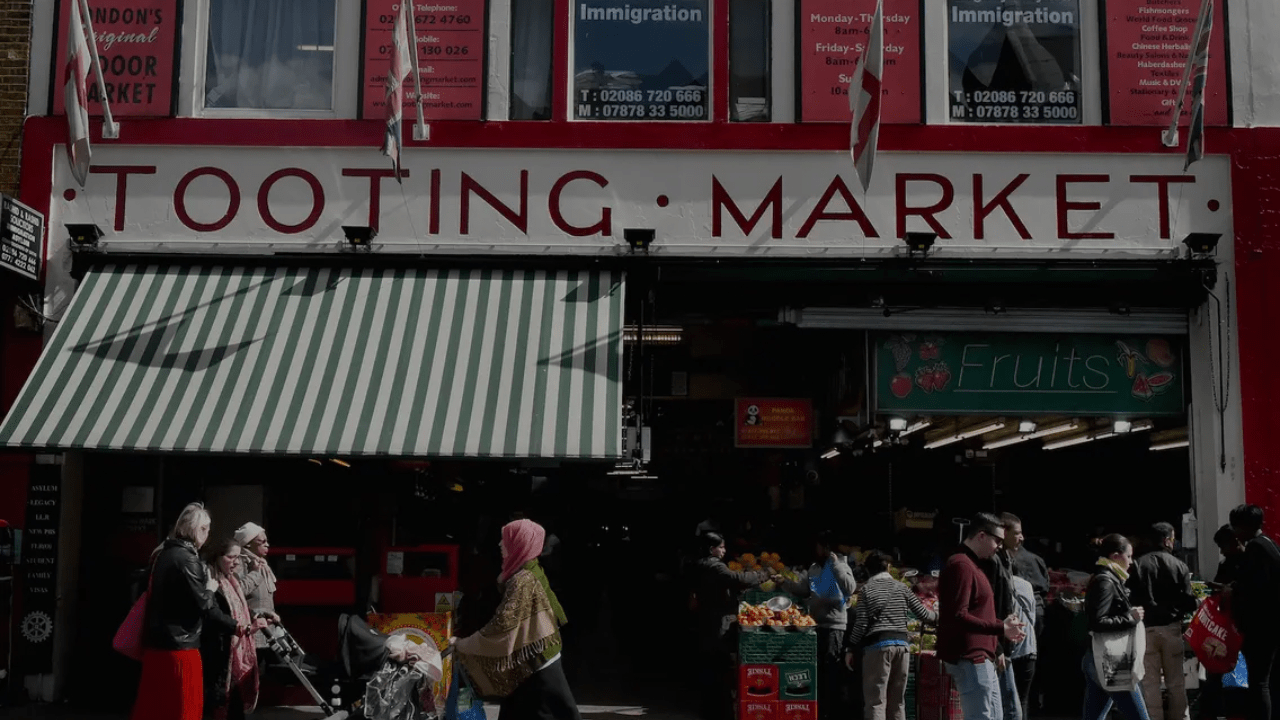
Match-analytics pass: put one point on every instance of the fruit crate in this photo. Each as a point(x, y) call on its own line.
point(764, 648)
point(910, 698)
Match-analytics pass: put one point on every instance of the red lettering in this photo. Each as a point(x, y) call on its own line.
point(1065, 206)
point(928, 213)
point(1162, 182)
point(180, 199)
point(434, 222)
point(855, 210)
point(1001, 200)
point(122, 173)
point(603, 227)
point(375, 188)
point(520, 219)
point(720, 200)
point(317, 201)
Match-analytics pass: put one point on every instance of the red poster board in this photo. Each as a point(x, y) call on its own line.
point(451, 45)
point(832, 36)
point(137, 40)
point(1147, 46)
point(772, 423)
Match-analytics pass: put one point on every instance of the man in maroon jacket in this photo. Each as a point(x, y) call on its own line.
point(968, 629)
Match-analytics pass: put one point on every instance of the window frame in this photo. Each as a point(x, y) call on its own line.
point(348, 42)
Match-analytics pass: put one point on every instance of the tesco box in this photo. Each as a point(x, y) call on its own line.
point(757, 683)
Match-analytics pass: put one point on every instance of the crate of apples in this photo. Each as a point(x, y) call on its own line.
point(753, 615)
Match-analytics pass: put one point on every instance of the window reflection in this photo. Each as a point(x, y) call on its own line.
point(270, 54)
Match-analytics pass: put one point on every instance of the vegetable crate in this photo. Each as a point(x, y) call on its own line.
point(772, 648)
point(936, 695)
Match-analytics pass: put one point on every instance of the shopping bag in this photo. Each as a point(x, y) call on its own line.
point(1213, 637)
point(128, 639)
point(825, 585)
point(1118, 658)
point(463, 702)
point(1239, 677)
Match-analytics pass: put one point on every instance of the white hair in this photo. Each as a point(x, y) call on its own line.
point(189, 522)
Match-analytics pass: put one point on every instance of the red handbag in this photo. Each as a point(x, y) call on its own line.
point(128, 639)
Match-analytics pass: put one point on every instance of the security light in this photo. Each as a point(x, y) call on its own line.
point(84, 234)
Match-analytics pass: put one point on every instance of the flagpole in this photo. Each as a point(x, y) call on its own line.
point(110, 128)
point(1170, 137)
point(421, 132)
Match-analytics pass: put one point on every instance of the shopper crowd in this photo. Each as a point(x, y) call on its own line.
point(990, 620)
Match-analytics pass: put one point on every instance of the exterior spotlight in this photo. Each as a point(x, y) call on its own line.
point(995, 306)
point(639, 238)
point(84, 234)
point(1027, 426)
point(897, 424)
point(359, 236)
point(919, 242)
point(1202, 244)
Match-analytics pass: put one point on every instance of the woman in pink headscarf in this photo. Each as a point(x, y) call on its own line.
point(516, 656)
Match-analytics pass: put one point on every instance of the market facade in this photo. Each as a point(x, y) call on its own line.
point(641, 272)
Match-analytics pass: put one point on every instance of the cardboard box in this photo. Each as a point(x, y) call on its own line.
point(762, 710)
point(757, 683)
point(798, 710)
point(798, 681)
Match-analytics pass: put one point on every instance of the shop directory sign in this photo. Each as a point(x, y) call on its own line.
point(1014, 62)
point(964, 374)
point(1147, 46)
point(450, 44)
point(21, 238)
point(833, 36)
point(641, 60)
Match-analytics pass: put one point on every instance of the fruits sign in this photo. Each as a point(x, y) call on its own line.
point(773, 423)
point(963, 374)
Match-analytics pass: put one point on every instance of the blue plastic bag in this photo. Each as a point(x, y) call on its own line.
point(1238, 678)
point(463, 703)
point(825, 585)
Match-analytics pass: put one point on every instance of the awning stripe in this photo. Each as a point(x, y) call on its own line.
point(332, 362)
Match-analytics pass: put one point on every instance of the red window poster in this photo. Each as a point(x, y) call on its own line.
point(137, 40)
point(773, 423)
point(1147, 46)
point(832, 36)
point(451, 43)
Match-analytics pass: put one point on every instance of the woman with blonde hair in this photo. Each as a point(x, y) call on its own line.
point(226, 644)
point(179, 599)
point(516, 656)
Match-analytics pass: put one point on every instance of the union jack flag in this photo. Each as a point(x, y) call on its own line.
point(864, 101)
point(74, 86)
point(1199, 60)
point(402, 57)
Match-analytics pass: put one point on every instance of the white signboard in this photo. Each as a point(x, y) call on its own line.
point(775, 204)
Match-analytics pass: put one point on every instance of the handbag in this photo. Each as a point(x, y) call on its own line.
point(1118, 655)
point(128, 639)
point(1213, 637)
point(463, 703)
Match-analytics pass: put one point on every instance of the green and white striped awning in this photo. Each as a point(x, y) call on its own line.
point(331, 362)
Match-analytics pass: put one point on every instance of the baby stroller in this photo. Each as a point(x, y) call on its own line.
point(362, 654)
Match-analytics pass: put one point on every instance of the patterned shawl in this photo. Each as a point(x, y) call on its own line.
point(244, 656)
point(521, 637)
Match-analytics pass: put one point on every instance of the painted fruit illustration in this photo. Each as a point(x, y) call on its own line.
point(1159, 382)
point(925, 378)
point(900, 386)
point(929, 350)
point(1142, 387)
point(1128, 358)
point(900, 346)
point(1159, 353)
point(941, 376)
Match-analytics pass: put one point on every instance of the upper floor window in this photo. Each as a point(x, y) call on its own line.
point(270, 55)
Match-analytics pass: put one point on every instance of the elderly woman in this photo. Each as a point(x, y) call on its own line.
point(256, 578)
point(226, 648)
point(179, 601)
point(516, 656)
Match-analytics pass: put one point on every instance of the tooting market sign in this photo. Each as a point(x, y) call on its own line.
point(958, 374)
point(577, 202)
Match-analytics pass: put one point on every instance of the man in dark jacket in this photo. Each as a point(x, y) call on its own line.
point(1161, 584)
point(968, 628)
point(1255, 605)
point(715, 589)
point(1032, 568)
point(829, 608)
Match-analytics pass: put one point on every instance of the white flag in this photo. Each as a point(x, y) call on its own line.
point(864, 101)
point(75, 94)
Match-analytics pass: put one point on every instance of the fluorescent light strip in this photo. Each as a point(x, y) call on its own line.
point(914, 427)
point(1068, 442)
point(830, 454)
point(1171, 445)
point(944, 441)
point(995, 425)
point(1005, 442)
point(1054, 430)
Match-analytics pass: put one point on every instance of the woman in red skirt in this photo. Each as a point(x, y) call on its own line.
point(181, 596)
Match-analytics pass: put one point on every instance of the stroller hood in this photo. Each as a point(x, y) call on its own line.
point(363, 649)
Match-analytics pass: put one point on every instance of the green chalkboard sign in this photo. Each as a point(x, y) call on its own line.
point(1019, 373)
